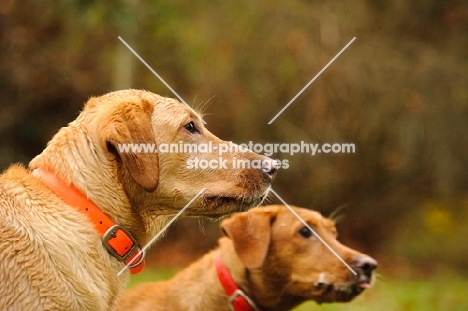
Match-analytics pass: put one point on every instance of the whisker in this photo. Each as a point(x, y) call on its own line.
point(334, 214)
point(201, 226)
point(200, 108)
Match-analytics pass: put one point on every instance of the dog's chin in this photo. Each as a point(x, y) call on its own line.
point(343, 292)
point(216, 206)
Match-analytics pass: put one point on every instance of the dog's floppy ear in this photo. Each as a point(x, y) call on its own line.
point(250, 234)
point(132, 125)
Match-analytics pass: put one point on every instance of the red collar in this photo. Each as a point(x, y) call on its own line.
point(238, 300)
point(116, 239)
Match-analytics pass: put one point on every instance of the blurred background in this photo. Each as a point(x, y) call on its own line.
point(399, 93)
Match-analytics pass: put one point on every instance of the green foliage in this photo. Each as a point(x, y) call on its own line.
point(436, 230)
point(439, 292)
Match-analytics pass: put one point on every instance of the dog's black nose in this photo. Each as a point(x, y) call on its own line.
point(270, 167)
point(365, 263)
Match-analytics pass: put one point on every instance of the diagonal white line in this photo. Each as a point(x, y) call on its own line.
point(155, 73)
point(313, 231)
point(162, 230)
point(310, 82)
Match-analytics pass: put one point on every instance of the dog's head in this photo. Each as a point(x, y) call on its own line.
point(157, 153)
point(288, 263)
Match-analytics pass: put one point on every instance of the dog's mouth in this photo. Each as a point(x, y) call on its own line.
point(340, 292)
point(219, 205)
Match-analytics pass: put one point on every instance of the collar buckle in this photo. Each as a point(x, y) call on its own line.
point(111, 233)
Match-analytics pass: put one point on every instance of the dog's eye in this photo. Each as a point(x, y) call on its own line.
point(191, 128)
point(305, 232)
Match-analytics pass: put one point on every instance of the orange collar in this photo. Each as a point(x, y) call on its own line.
point(238, 300)
point(116, 239)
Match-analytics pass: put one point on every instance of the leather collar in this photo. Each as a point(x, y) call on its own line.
point(116, 239)
point(238, 300)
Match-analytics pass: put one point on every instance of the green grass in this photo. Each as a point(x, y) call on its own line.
point(387, 295)
point(152, 275)
point(405, 296)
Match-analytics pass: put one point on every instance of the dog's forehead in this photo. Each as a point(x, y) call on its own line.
point(159, 105)
point(174, 114)
point(172, 107)
point(285, 216)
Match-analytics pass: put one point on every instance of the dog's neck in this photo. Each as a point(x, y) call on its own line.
point(72, 156)
point(202, 290)
point(199, 286)
point(265, 286)
point(115, 238)
point(237, 298)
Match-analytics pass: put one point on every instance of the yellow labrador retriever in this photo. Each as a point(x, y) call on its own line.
point(86, 205)
point(268, 261)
